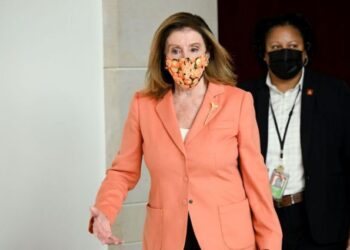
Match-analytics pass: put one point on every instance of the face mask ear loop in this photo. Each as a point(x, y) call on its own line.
point(306, 61)
point(208, 58)
point(207, 54)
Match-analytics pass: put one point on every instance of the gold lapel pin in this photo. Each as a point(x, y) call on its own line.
point(213, 106)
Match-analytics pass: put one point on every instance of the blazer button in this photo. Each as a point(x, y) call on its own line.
point(190, 201)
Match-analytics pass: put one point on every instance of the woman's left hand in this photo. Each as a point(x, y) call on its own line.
point(102, 228)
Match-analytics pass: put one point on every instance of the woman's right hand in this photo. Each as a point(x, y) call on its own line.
point(102, 229)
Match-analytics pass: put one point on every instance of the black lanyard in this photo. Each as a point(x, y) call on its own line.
point(282, 140)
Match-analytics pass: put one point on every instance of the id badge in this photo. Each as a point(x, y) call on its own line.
point(278, 182)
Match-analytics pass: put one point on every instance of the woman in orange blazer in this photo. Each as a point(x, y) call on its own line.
point(199, 139)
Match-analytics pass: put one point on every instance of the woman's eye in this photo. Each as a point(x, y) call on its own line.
point(175, 51)
point(194, 49)
point(293, 46)
point(274, 47)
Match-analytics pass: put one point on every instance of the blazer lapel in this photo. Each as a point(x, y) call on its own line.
point(262, 114)
point(307, 104)
point(166, 113)
point(208, 110)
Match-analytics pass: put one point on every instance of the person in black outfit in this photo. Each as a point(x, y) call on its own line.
point(304, 123)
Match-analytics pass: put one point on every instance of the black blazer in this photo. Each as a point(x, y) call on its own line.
point(325, 143)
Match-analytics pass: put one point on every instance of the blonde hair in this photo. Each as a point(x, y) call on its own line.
point(158, 79)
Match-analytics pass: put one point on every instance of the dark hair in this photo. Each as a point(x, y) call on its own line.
point(265, 25)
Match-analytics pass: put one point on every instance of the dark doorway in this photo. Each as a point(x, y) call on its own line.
point(330, 21)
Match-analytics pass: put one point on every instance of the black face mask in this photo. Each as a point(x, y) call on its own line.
point(285, 63)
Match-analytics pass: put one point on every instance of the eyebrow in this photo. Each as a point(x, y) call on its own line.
point(195, 44)
point(176, 45)
point(290, 42)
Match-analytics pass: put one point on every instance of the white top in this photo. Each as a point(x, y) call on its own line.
point(282, 103)
point(184, 132)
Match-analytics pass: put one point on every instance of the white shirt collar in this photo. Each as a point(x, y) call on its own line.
point(273, 87)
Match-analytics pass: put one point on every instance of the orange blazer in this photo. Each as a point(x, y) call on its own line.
point(217, 175)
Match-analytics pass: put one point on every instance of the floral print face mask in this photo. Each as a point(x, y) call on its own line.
point(187, 72)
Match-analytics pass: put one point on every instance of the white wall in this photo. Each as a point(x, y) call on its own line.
point(52, 146)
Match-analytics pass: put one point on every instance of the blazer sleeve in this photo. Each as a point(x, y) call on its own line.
point(125, 170)
point(255, 178)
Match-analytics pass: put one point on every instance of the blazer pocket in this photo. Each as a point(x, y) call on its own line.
point(224, 128)
point(153, 228)
point(222, 125)
point(236, 225)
